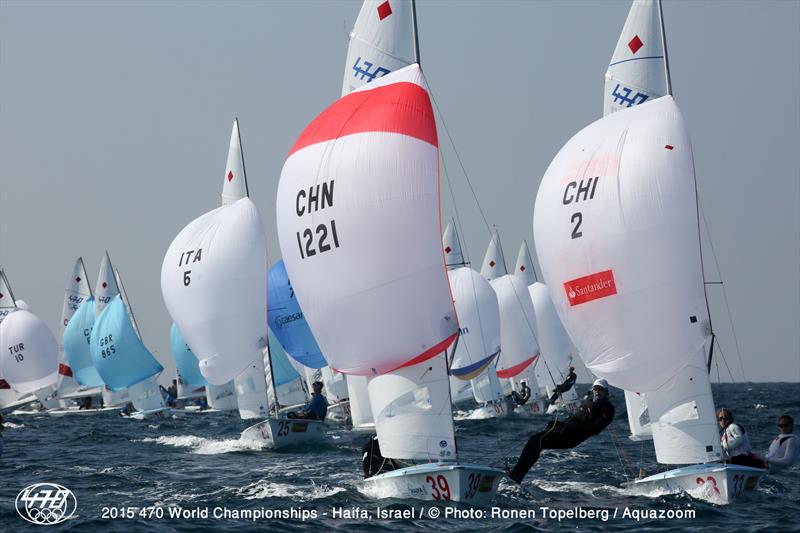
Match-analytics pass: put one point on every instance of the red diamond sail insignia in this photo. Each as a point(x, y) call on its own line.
point(230, 175)
point(522, 268)
point(384, 10)
point(491, 264)
point(635, 44)
point(105, 284)
point(448, 250)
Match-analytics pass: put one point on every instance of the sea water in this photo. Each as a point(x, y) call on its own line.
point(192, 473)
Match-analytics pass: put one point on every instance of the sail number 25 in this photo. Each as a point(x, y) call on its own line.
point(579, 191)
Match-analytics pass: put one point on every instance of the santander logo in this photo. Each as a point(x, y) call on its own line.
point(591, 287)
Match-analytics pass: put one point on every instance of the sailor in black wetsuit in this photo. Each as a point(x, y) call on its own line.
point(372, 462)
point(564, 387)
point(592, 417)
point(523, 397)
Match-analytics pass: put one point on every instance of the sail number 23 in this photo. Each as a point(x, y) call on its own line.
point(579, 191)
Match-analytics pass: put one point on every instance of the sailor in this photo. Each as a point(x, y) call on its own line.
point(86, 403)
point(523, 397)
point(590, 419)
point(372, 462)
point(203, 403)
point(316, 408)
point(785, 448)
point(127, 410)
point(736, 448)
point(173, 389)
point(169, 398)
point(564, 387)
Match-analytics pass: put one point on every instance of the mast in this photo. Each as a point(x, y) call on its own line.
point(450, 393)
point(86, 277)
point(127, 303)
point(272, 378)
point(8, 286)
point(664, 42)
point(416, 31)
point(711, 352)
point(241, 154)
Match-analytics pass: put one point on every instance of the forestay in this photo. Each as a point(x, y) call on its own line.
point(286, 320)
point(214, 284)
point(616, 233)
point(77, 337)
point(381, 42)
point(358, 223)
point(479, 320)
point(637, 72)
point(118, 354)
point(518, 345)
point(29, 357)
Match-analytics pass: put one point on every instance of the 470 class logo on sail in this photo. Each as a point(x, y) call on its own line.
point(322, 237)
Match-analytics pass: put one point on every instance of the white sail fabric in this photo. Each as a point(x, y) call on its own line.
point(235, 182)
point(556, 351)
point(616, 233)
point(78, 291)
point(524, 266)
point(460, 391)
point(381, 42)
point(494, 263)
point(638, 416)
point(214, 284)
point(359, 229)
point(6, 297)
point(146, 395)
point(684, 423)
point(486, 387)
point(251, 390)
point(518, 345)
point(116, 398)
point(637, 72)
point(453, 256)
point(413, 417)
point(479, 319)
point(22, 304)
point(106, 287)
point(29, 357)
point(222, 397)
point(360, 409)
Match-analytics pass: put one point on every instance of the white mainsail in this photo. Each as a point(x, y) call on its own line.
point(451, 244)
point(494, 263)
point(524, 267)
point(78, 291)
point(615, 225)
point(234, 185)
point(106, 288)
point(638, 71)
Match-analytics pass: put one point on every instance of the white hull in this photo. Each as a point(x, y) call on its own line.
point(714, 482)
point(533, 408)
point(282, 432)
point(70, 411)
point(561, 406)
point(498, 409)
point(442, 482)
point(160, 412)
point(193, 410)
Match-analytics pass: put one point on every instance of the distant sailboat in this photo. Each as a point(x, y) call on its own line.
point(377, 308)
point(9, 398)
point(77, 292)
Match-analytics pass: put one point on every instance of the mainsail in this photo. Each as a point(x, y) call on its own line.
point(78, 291)
point(524, 267)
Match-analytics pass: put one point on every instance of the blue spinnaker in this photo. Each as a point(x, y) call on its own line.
point(284, 372)
point(185, 361)
point(76, 339)
point(118, 354)
point(287, 321)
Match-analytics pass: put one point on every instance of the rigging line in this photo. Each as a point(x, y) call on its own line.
point(724, 292)
point(623, 458)
point(459, 227)
point(458, 157)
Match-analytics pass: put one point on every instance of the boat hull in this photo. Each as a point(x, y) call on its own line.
point(283, 432)
point(438, 482)
point(714, 482)
point(160, 412)
point(75, 411)
point(535, 407)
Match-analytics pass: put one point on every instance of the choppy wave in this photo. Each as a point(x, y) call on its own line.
point(205, 446)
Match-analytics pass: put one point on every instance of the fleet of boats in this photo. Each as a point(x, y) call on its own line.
point(373, 299)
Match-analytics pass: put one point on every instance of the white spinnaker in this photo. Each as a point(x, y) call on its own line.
point(106, 287)
point(494, 263)
point(683, 420)
point(524, 266)
point(381, 42)
point(479, 319)
point(251, 390)
point(360, 409)
point(518, 345)
point(413, 415)
point(78, 290)
point(222, 397)
point(451, 244)
point(29, 357)
point(220, 257)
point(235, 182)
point(637, 71)
point(629, 288)
point(553, 340)
point(381, 278)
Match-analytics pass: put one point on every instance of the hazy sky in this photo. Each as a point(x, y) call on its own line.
point(115, 119)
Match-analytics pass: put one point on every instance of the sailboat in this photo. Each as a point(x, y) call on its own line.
point(554, 348)
point(120, 357)
point(9, 398)
point(28, 350)
point(616, 232)
point(368, 270)
point(191, 383)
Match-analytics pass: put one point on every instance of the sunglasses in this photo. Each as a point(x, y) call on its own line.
point(724, 418)
point(783, 425)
